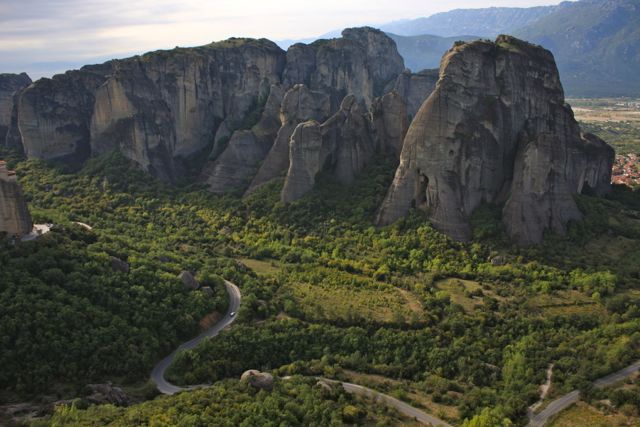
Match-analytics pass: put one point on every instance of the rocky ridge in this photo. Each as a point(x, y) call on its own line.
point(497, 130)
point(10, 84)
point(494, 127)
point(15, 219)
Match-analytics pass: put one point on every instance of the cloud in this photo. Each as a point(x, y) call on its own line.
point(66, 33)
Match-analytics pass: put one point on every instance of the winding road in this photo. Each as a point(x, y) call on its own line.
point(165, 387)
point(538, 420)
point(569, 399)
point(157, 375)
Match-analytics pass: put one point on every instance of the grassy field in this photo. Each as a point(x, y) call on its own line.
point(565, 303)
point(465, 293)
point(582, 414)
point(260, 266)
point(617, 121)
point(339, 300)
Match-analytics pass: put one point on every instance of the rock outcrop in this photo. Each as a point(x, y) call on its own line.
point(239, 161)
point(415, 88)
point(157, 109)
point(188, 280)
point(299, 105)
point(98, 394)
point(9, 85)
point(165, 108)
point(15, 219)
point(54, 115)
point(119, 265)
point(343, 145)
point(390, 123)
point(257, 379)
point(361, 63)
point(497, 130)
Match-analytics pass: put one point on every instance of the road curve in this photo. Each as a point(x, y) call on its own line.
point(165, 387)
point(567, 400)
point(157, 375)
point(399, 405)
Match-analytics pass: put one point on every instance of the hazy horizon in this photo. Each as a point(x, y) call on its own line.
point(46, 37)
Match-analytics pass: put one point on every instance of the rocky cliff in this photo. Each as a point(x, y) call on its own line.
point(158, 108)
point(497, 130)
point(361, 63)
point(15, 219)
point(163, 108)
point(9, 85)
point(344, 144)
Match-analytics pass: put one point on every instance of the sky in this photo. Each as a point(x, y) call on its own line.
point(43, 37)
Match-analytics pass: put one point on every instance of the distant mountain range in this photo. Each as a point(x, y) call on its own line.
point(488, 22)
point(596, 42)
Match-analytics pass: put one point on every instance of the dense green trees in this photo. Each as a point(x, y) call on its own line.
point(493, 351)
point(294, 402)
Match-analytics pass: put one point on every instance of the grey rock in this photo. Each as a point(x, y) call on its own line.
point(239, 161)
point(157, 109)
point(207, 291)
point(496, 130)
point(10, 84)
point(390, 122)
point(299, 105)
point(190, 283)
point(257, 379)
point(415, 88)
point(99, 394)
point(362, 62)
point(307, 156)
point(15, 219)
point(119, 265)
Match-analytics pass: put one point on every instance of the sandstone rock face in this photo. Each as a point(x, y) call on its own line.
point(239, 161)
point(343, 145)
point(415, 88)
point(307, 156)
point(299, 105)
point(15, 219)
point(496, 130)
point(362, 62)
point(54, 115)
point(9, 85)
point(258, 379)
point(157, 108)
point(390, 122)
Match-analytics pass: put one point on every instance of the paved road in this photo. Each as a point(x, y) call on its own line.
point(399, 405)
point(567, 400)
point(157, 375)
point(165, 387)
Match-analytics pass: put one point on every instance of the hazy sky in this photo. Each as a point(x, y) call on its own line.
point(45, 36)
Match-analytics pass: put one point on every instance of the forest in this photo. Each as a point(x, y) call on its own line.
point(466, 328)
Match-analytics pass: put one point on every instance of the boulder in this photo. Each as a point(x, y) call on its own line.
point(99, 394)
point(190, 283)
point(119, 265)
point(257, 379)
point(497, 130)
